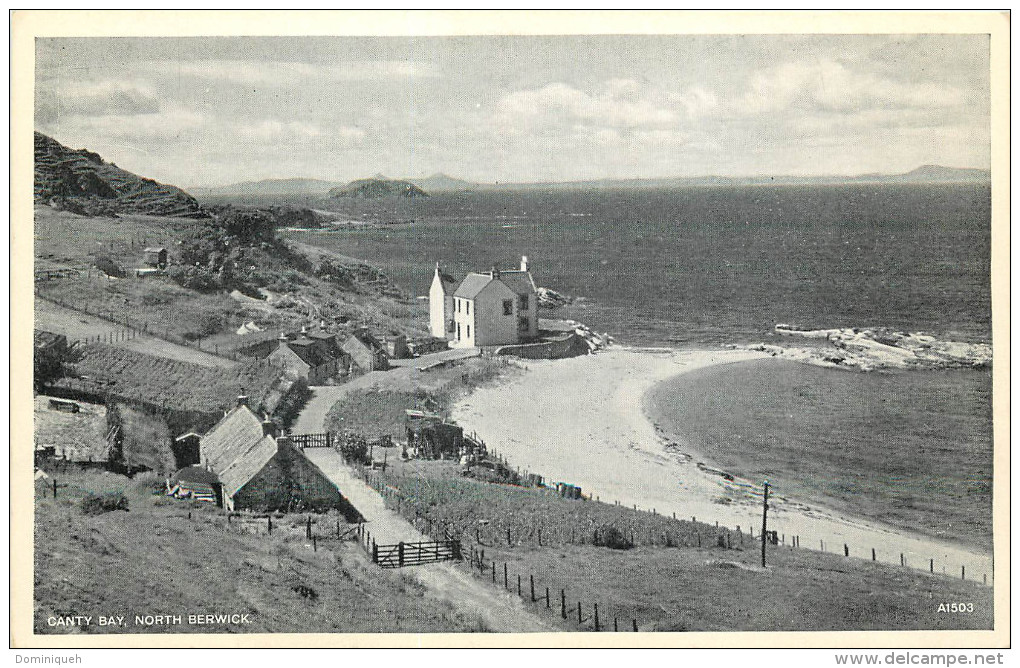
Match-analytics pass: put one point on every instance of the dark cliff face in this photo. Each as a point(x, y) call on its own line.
point(82, 181)
point(377, 188)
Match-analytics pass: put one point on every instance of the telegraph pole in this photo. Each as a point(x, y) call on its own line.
point(764, 521)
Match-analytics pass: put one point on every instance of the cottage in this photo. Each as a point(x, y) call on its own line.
point(397, 348)
point(314, 357)
point(196, 483)
point(366, 352)
point(155, 257)
point(259, 470)
point(496, 308)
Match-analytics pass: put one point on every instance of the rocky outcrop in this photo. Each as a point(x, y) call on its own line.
point(549, 298)
point(877, 348)
point(376, 188)
point(82, 182)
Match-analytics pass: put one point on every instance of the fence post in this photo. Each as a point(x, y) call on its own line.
point(596, 605)
point(616, 626)
point(846, 550)
point(580, 619)
point(315, 544)
point(873, 554)
point(506, 577)
point(963, 572)
point(308, 527)
point(375, 553)
point(547, 595)
point(54, 488)
point(563, 603)
point(532, 578)
point(400, 553)
point(269, 524)
point(518, 584)
point(931, 565)
point(635, 625)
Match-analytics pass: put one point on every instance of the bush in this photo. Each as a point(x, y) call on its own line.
point(97, 504)
point(109, 267)
point(611, 537)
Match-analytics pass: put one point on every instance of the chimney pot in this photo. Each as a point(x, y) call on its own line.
point(524, 263)
point(268, 428)
point(242, 400)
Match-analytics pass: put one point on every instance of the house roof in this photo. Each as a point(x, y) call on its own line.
point(240, 472)
point(311, 352)
point(449, 283)
point(472, 284)
point(44, 339)
point(194, 473)
point(518, 281)
point(231, 437)
point(367, 340)
point(236, 448)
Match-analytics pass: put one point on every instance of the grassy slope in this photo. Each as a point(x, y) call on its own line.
point(67, 240)
point(711, 588)
point(848, 440)
point(154, 560)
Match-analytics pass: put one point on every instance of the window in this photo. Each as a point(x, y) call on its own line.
point(508, 307)
point(458, 331)
point(469, 331)
point(524, 302)
point(457, 303)
point(522, 324)
point(449, 326)
point(467, 309)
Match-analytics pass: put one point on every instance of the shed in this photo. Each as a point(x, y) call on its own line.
point(432, 437)
point(155, 256)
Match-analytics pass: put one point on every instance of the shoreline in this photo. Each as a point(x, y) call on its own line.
point(585, 421)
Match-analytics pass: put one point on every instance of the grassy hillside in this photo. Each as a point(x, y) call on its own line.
point(208, 305)
point(693, 577)
point(168, 563)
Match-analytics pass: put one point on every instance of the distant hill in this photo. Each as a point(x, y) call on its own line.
point(269, 187)
point(936, 174)
point(378, 187)
point(82, 182)
point(443, 183)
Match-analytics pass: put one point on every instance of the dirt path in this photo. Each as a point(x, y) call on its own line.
point(501, 612)
point(77, 325)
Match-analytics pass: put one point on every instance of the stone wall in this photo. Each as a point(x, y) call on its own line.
point(571, 345)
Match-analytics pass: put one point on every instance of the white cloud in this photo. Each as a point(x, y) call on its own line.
point(93, 98)
point(619, 104)
point(283, 73)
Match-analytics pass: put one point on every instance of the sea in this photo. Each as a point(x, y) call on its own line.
point(706, 265)
point(700, 267)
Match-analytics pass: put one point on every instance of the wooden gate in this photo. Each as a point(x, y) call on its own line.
point(312, 440)
point(415, 554)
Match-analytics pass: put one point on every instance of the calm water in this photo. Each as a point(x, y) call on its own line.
point(708, 265)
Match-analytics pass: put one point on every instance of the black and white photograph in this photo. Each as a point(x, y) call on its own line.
point(494, 332)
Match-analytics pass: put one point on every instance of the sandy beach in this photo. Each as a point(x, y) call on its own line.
point(583, 421)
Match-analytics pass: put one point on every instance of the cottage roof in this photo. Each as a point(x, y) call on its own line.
point(194, 473)
point(231, 437)
point(367, 340)
point(44, 339)
point(311, 352)
point(518, 281)
point(244, 468)
point(237, 448)
point(472, 284)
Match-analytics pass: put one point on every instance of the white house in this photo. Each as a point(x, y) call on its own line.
point(485, 309)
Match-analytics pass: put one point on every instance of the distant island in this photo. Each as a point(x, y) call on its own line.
point(381, 186)
point(378, 187)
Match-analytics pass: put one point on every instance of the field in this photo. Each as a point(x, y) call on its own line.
point(175, 559)
point(182, 386)
point(717, 586)
point(910, 449)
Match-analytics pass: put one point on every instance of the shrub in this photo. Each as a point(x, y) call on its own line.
point(109, 267)
point(609, 536)
point(97, 504)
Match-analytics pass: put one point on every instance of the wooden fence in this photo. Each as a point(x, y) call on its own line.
point(402, 554)
point(303, 441)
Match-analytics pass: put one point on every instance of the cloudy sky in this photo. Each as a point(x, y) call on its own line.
point(214, 111)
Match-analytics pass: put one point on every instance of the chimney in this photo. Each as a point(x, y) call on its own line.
point(524, 263)
point(268, 428)
point(303, 330)
point(242, 400)
point(494, 273)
